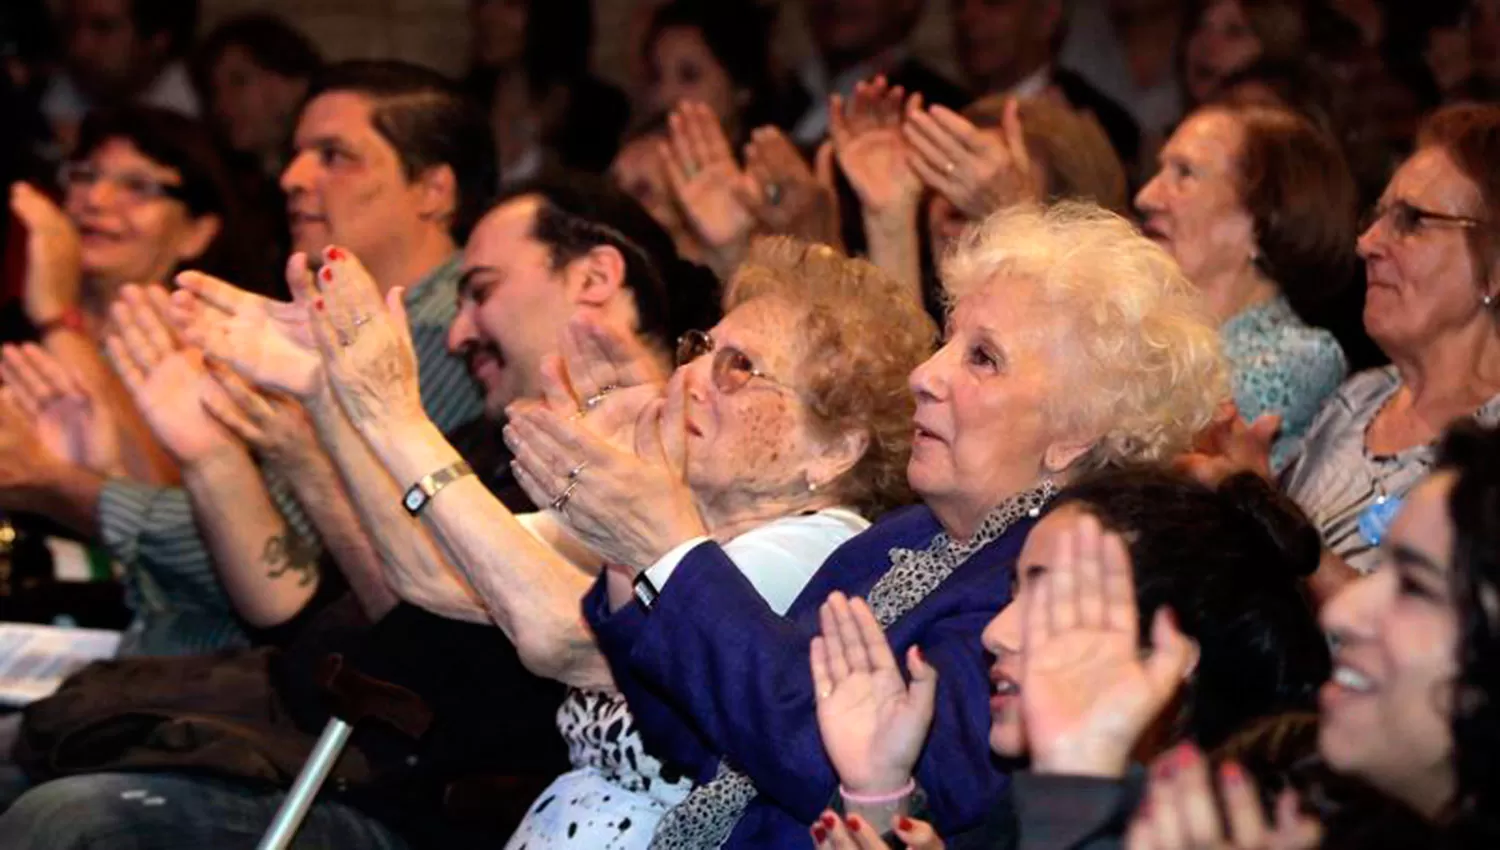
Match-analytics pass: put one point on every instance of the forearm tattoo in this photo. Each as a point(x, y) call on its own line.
point(290, 553)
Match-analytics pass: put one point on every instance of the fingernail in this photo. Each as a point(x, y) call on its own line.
point(1232, 773)
point(318, 303)
point(905, 824)
point(326, 274)
point(335, 254)
point(918, 650)
point(818, 834)
point(829, 820)
point(853, 821)
point(1171, 616)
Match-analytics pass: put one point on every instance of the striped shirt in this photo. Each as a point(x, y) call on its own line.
point(181, 606)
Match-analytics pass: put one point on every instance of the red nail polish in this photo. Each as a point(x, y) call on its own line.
point(1233, 774)
point(829, 820)
point(905, 824)
point(819, 833)
point(335, 254)
point(326, 274)
point(853, 821)
point(318, 303)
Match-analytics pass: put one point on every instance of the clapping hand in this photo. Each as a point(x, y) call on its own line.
point(272, 424)
point(167, 380)
point(977, 171)
point(784, 194)
point(705, 179)
point(1230, 446)
point(867, 140)
point(1087, 693)
point(1181, 812)
point(70, 419)
point(602, 375)
point(268, 342)
point(873, 723)
point(54, 275)
point(857, 833)
point(365, 342)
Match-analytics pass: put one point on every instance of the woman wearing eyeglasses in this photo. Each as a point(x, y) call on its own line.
point(1072, 344)
point(1258, 208)
point(1432, 304)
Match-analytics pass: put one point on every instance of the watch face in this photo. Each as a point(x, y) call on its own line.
point(413, 500)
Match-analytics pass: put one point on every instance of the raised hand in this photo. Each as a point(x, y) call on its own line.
point(867, 140)
point(53, 266)
point(365, 343)
point(786, 195)
point(873, 723)
point(978, 171)
point(1181, 812)
point(272, 424)
point(70, 420)
point(704, 177)
point(603, 375)
point(1230, 446)
point(1087, 695)
point(167, 381)
point(268, 342)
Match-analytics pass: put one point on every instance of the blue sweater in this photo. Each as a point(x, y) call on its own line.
point(710, 672)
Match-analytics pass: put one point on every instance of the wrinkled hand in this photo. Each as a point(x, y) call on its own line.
point(604, 505)
point(366, 344)
point(1181, 812)
point(167, 381)
point(1087, 695)
point(70, 420)
point(602, 374)
point(784, 194)
point(978, 171)
point(272, 424)
point(269, 342)
point(856, 833)
point(1229, 446)
point(867, 140)
point(704, 177)
point(873, 724)
point(54, 274)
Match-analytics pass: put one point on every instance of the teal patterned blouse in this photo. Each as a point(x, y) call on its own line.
point(1280, 365)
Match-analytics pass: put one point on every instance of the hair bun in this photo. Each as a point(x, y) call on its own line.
point(1286, 529)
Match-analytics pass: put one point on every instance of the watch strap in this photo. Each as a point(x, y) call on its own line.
point(419, 494)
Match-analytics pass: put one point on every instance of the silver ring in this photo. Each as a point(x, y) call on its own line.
point(560, 503)
point(594, 400)
point(360, 320)
point(577, 471)
point(773, 194)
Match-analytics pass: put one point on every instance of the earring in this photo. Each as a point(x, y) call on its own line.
point(812, 486)
point(1488, 300)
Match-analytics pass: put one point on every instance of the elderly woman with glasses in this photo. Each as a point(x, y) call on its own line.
point(1432, 265)
point(1073, 343)
point(788, 424)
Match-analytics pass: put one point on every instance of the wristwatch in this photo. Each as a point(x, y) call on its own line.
point(419, 494)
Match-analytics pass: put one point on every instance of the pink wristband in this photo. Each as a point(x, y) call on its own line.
point(874, 799)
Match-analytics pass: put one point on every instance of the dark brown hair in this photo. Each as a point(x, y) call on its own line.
point(1297, 187)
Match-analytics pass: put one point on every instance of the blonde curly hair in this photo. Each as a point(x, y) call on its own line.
point(1139, 365)
point(860, 334)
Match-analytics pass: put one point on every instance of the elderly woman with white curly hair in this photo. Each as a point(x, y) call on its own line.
point(1073, 344)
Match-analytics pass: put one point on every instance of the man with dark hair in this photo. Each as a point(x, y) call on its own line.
point(540, 254)
point(122, 51)
point(255, 71)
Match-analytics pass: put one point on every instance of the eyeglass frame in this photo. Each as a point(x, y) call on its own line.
point(158, 190)
point(1418, 217)
point(695, 343)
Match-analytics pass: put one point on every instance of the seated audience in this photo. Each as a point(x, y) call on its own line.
point(1258, 208)
point(1010, 49)
point(1234, 638)
point(712, 673)
point(1431, 305)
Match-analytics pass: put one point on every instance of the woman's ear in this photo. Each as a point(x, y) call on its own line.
point(838, 456)
point(196, 236)
point(1060, 456)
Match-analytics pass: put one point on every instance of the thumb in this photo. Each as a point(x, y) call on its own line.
point(395, 303)
point(1265, 428)
point(1173, 655)
point(924, 679)
point(823, 166)
point(299, 278)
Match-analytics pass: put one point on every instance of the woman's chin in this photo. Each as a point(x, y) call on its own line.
point(1007, 739)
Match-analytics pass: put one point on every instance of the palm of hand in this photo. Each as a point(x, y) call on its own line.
point(875, 163)
point(171, 401)
point(1081, 691)
point(274, 351)
point(80, 431)
point(872, 729)
point(716, 213)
